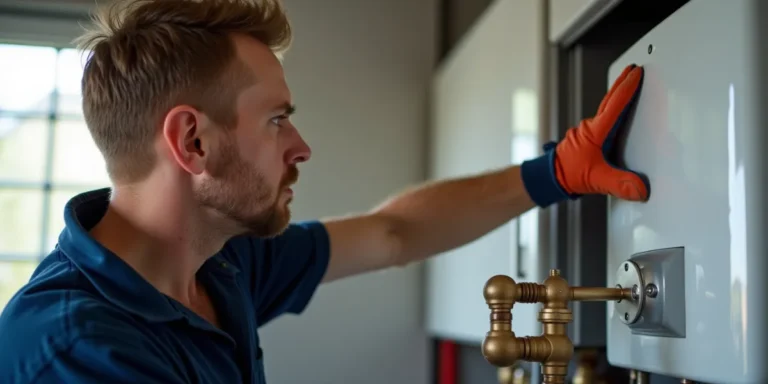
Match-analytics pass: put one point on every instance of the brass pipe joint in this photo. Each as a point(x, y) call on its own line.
point(553, 349)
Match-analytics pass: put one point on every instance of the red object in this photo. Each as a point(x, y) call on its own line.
point(448, 363)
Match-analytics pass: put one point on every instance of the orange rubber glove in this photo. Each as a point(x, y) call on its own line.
point(579, 165)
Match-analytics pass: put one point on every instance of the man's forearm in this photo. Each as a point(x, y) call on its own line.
point(437, 217)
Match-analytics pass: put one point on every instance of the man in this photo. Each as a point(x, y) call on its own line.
point(167, 276)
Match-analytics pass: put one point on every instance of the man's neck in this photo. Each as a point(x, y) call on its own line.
point(166, 242)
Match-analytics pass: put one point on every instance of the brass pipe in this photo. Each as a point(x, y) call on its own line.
point(553, 349)
point(600, 294)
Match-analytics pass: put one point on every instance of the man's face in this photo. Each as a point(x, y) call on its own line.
point(250, 175)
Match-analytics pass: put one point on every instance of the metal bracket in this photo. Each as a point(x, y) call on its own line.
point(657, 279)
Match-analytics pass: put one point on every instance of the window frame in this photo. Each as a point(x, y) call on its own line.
point(20, 27)
point(47, 30)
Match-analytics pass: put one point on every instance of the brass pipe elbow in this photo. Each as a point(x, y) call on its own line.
point(500, 347)
point(553, 349)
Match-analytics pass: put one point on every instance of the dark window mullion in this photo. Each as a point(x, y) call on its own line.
point(43, 185)
point(15, 184)
point(26, 115)
point(49, 155)
point(15, 258)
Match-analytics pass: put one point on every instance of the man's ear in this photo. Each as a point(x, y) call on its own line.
point(184, 131)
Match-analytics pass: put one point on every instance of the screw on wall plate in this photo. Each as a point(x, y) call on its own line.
point(651, 290)
point(650, 48)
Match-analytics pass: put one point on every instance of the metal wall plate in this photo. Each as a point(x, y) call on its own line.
point(630, 276)
point(662, 293)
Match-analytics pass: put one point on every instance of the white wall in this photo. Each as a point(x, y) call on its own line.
point(485, 109)
point(568, 19)
point(563, 14)
point(359, 72)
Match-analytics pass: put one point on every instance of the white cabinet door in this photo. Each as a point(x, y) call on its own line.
point(485, 116)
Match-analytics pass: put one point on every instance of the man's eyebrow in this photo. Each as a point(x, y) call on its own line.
point(287, 109)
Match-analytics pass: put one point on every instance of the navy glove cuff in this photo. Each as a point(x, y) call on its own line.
point(540, 180)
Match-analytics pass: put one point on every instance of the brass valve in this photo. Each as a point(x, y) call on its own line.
point(553, 349)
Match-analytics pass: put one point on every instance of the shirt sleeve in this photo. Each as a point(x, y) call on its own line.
point(107, 359)
point(283, 273)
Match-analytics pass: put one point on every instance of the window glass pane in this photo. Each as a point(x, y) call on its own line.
point(59, 198)
point(76, 160)
point(23, 147)
point(69, 76)
point(13, 275)
point(22, 213)
point(27, 76)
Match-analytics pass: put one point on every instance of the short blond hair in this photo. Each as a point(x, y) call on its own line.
point(147, 56)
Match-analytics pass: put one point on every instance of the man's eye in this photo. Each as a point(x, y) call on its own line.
point(278, 119)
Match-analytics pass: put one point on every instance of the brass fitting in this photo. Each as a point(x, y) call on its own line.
point(586, 368)
point(553, 349)
point(513, 375)
point(638, 377)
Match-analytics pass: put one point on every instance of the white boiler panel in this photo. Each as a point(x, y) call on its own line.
point(700, 133)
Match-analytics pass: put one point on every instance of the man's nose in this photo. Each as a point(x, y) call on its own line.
point(300, 151)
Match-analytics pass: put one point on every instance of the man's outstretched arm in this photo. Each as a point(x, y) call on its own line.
point(425, 221)
point(444, 215)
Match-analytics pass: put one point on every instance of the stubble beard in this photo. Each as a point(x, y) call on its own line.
point(244, 198)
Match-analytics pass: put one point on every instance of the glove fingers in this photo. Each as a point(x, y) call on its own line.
point(616, 84)
point(624, 184)
point(618, 103)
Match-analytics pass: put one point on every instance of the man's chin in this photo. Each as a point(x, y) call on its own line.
point(275, 227)
point(274, 231)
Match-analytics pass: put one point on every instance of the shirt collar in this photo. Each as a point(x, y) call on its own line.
point(110, 275)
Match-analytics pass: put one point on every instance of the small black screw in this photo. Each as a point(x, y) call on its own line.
point(650, 48)
point(626, 267)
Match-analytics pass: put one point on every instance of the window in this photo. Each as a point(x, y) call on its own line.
point(46, 154)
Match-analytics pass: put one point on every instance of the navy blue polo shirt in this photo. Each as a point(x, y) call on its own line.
point(87, 317)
